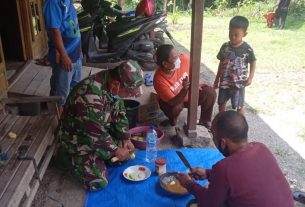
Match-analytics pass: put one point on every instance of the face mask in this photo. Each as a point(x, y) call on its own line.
point(225, 152)
point(177, 64)
point(115, 97)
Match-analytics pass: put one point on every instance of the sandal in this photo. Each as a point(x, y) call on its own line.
point(43, 61)
point(299, 196)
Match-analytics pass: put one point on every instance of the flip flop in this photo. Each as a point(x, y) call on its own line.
point(43, 62)
point(299, 196)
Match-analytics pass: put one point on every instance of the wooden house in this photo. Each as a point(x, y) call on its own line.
point(23, 37)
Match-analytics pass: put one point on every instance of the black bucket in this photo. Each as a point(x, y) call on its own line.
point(132, 108)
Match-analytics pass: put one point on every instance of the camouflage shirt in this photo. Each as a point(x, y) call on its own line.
point(93, 121)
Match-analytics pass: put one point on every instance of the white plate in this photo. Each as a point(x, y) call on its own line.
point(137, 173)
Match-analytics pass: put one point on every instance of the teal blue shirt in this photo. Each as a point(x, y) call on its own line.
point(61, 14)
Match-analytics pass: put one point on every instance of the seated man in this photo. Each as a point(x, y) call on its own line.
point(172, 85)
point(248, 175)
point(93, 125)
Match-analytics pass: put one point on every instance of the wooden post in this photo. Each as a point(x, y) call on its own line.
point(165, 5)
point(196, 38)
point(121, 3)
point(174, 6)
point(189, 5)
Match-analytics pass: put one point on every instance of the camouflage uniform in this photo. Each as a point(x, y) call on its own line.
point(92, 124)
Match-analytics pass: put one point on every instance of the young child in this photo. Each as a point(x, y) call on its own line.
point(232, 75)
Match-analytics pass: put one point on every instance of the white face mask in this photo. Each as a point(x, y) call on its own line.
point(177, 64)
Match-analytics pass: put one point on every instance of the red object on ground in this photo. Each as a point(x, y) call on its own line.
point(146, 7)
point(270, 18)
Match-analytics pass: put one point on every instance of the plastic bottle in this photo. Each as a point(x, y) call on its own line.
point(151, 144)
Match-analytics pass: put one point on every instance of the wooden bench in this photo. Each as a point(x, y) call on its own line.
point(28, 154)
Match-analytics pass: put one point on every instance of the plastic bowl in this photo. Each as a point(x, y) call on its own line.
point(143, 130)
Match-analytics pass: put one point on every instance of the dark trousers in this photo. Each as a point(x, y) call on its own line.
point(280, 17)
point(207, 97)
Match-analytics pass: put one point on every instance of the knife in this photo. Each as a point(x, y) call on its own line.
point(183, 159)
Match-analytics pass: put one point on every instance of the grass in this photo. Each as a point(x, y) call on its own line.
point(278, 86)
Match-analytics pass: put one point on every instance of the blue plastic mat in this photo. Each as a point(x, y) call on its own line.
point(123, 193)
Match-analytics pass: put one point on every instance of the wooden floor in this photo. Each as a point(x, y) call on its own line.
point(34, 140)
point(35, 80)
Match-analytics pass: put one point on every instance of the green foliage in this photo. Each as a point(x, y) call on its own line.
point(179, 18)
point(297, 8)
point(221, 4)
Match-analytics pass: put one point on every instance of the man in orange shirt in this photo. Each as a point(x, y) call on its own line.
point(172, 84)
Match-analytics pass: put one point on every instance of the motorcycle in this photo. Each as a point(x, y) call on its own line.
point(125, 38)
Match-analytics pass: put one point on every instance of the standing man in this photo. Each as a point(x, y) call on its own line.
point(281, 12)
point(64, 46)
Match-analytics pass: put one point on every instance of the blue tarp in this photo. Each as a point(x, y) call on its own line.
point(123, 193)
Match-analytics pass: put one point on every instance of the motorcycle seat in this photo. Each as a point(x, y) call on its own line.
point(123, 25)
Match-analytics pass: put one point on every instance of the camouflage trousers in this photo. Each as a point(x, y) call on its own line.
point(91, 171)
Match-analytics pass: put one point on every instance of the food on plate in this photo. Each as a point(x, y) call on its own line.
point(136, 176)
point(172, 182)
point(141, 175)
point(174, 186)
point(131, 176)
point(137, 173)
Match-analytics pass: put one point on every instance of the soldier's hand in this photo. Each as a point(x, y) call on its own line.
point(122, 154)
point(127, 144)
point(216, 84)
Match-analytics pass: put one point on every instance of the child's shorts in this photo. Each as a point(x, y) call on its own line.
point(237, 96)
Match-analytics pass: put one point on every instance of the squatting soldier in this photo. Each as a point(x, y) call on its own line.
point(92, 125)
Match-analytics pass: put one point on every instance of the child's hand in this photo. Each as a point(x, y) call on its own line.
point(248, 82)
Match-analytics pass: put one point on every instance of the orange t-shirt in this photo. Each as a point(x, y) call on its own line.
point(168, 86)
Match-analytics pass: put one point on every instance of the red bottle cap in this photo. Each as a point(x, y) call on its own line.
point(160, 161)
